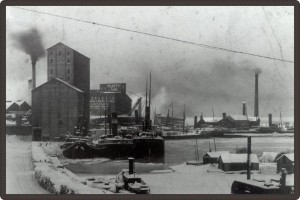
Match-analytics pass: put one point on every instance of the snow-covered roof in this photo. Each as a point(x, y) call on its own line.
point(216, 154)
point(290, 156)
point(238, 158)
point(9, 104)
point(68, 84)
point(64, 82)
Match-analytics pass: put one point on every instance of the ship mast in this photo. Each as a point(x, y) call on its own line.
point(145, 120)
point(149, 121)
point(183, 119)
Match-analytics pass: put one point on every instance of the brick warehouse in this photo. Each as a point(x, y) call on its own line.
point(111, 96)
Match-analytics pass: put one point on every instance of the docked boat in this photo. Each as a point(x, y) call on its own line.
point(132, 182)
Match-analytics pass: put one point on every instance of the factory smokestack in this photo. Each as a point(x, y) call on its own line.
point(244, 108)
point(31, 43)
point(256, 111)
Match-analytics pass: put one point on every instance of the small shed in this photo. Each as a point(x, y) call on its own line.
point(286, 161)
point(237, 162)
point(212, 157)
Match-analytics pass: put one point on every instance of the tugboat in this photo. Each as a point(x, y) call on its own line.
point(128, 180)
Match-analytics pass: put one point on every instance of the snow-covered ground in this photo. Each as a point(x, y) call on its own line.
point(46, 166)
point(19, 168)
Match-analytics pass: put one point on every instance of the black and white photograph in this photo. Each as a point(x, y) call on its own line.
point(150, 100)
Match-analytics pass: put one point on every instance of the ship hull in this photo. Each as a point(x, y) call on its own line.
point(139, 148)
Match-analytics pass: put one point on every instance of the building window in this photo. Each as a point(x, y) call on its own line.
point(68, 71)
point(50, 52)
point(51, 71)
point(68, 52)
point(59, 53)
point(68, 78)
point(68, 61)
point(51, 60)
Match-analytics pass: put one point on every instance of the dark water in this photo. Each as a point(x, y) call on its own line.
point(179, 151)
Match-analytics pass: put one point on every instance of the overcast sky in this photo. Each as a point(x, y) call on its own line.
point(199, 77)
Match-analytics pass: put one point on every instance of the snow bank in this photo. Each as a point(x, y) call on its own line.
point(268, 168)
point(57, 180)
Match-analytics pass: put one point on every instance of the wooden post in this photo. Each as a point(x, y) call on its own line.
point(249, 159)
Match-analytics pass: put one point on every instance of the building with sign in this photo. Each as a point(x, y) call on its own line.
point(110, 98)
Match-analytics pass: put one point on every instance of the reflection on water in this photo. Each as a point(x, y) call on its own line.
point(179, 151)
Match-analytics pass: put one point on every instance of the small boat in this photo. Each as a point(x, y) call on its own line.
point(132, 182)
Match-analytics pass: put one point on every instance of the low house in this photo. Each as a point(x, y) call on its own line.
point(212, 157)
point(286, 161)
point(237, 162)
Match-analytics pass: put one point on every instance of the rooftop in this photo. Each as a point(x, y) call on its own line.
point(238, 158)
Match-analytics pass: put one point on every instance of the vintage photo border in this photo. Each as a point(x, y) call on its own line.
point(5, 3)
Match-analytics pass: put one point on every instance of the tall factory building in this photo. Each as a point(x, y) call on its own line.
point(72, 67)
point(110, 97)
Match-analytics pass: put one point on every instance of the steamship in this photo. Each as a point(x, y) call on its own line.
point(146, 144)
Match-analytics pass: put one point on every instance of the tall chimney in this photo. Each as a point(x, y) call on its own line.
point(256, 112)
point(244, 108)
point(33, 63)
point(195, 122)
point(224, 115)
point(270, 120)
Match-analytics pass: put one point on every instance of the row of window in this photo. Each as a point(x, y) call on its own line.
point(108, 99)
point(59, 53)
point(68, 61)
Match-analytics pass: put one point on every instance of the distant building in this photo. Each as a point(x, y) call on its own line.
point(110, 98)
point(237, 162)
point(19, 107)
point(11, 107)
point(72, 67)
point(56, 108)
point(286, 161)
point(231, 121)
point(24, 107)
point(213, 157)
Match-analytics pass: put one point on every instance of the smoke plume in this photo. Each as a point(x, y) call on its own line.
point(30, 42)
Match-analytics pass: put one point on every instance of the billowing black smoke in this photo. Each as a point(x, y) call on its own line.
point(30, 42)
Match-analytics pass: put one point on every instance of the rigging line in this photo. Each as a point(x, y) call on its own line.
point(158, 36)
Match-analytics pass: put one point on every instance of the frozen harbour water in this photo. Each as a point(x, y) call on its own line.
point(170, 177)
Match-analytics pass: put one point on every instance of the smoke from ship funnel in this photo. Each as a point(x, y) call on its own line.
point(30, 42)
